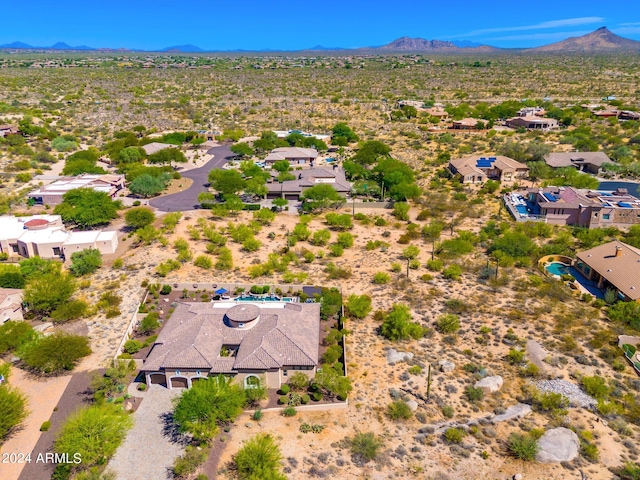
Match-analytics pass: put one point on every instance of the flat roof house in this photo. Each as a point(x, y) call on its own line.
point(155, 147)
point(246, 341)
point(52, 194)
point(294, 155)
point(532, 122)
point(579, 207)
point(10, 304)
point(292, 189)
point(468, 124)
point(44, 236)
point(478, 169)
point(613, 265)
point(590, 162)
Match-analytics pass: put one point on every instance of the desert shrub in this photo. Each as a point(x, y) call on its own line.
point(71, 310)
point(415, 370)
point(305, 399)
point(259, 458)
point(448, 411)
point(13, 407)
point(285, 389)
point(85, 261)
point(55, 353)
point(200, 409)
point(515, 357)
point(283, 399)
point(474, 394)
point(46, 425)
point(399, 410)
point(94, 432)
point(595, 386)
point(397, 324)
point(523, 447)
point(149, 323)
point(14, 334)
point(448, 324)
point(204, 262)
point(454, 435)
point(452, 272)
point(289, 412)
point(188, 463)
point(333, 354)
point(435, 265)
point(358, 306)
point(365, 446)
point(381, 278)
point(132, 346)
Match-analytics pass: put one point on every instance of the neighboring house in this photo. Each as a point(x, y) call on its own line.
point(320, 136)
point(628, 115)
point(469, 124)
point(614, 265)
point(478, 169)
point(579, 207)
point(532, 122)
point(590, 162)
point(44, 236)
point(8, 130)
point(247, 341)
point(531, 111)
point(155, 147)
point(52, 194)
point(410, 103)
point(292, 189)
point(10, 304)
point(294, 155)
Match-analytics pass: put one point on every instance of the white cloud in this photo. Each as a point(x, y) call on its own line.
point(539, 36)
point(567, 22)
point(630, 30)
point(629, 24)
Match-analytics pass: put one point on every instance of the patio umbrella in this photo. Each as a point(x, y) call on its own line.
point(221, 291)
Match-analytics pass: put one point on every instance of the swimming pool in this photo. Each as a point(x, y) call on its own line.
point(557, 268)
point(522, 210)
point(254, 298)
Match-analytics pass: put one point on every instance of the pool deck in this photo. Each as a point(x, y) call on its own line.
point(584, 285)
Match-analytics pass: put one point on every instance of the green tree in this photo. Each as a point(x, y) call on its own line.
point(94, 432)
point(370, 152)
point(332, 382)
point(401, 210)
point(342, 135)
point(411, 252)
point(514, 244)
point(321, 196)
point(167, 156)
point(55, 353)
point(242, 149)
point(139, 217)
point(227, 182)
point(397, 324)
point(85, 261)
point(259, 459)
point(281, 166)
point(131, 155)
point(47, 292)
point(147, 185)
point(207, 404)
point(87, 208)
point(358, 306)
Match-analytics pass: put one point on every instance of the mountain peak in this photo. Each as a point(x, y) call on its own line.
point(408, 44)
point(600, 40)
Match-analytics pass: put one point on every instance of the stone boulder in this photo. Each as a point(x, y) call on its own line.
point(558, 445)
point(393, 356)
point(413, 405)
point(518, 410)
point(446, 366)
point(492, 384)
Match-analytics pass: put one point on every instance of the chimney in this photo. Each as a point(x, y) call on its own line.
point(618, 251)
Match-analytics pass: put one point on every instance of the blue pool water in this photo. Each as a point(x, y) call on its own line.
point(557, 268)
point(254, 298)
point(522, 209)
point(632, 187)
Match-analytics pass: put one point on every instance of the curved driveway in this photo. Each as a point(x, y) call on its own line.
point(188, 199)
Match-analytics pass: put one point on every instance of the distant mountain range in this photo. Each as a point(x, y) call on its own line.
point(601, 40)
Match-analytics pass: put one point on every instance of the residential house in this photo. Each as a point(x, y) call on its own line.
point(293, 189)
point(10, 304)
point(294, 155)
point(469, 124)
point(320, 136)
point(588, 162)
point(532, 122)
point(479, 169)
point(155, 147)
point(52, 194)
point(614, 265)
point(531, 111)
point(44, 236)
point(8, 130)
point(579, 207)
point(252, 342)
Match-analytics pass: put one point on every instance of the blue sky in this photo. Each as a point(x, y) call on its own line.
point(252, 24)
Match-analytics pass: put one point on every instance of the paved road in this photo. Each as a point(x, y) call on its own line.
point(188, 199)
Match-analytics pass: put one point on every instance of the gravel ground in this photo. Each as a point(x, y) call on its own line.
point(151, 445)
point(576, 397)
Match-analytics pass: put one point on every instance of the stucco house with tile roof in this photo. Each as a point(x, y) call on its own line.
point(292, 189)
point(294, 155)
point(244, 340)
point(479, 168)
point(590, 162)
point(613, 265)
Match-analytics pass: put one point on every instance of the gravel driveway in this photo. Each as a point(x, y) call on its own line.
point(151, 447)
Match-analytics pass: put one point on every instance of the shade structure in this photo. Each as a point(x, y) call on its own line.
point(221, 291)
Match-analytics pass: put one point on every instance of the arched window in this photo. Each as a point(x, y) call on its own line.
point(251, 381)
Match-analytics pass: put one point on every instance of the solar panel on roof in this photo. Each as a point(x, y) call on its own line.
point(624, 205)
point(483, 164)
point(492, 159)
point(549, 196)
